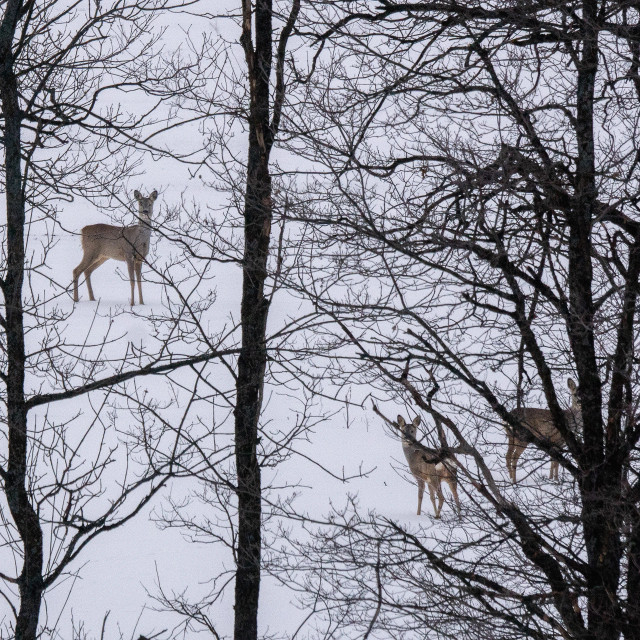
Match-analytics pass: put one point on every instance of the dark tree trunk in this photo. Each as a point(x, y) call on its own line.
point(253, 314)
point(30, 581)
point(251, 370)
point(264, 120)
point(601, 484)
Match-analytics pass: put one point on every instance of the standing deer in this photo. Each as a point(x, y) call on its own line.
point(100, 242)
point(423, 471)
point(540, 423)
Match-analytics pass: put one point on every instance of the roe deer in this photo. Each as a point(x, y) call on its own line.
point(423, 471)
point(540, 423)
point(100, 242)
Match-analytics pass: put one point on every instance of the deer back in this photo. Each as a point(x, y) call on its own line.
point(119, 243)
point(540, 423)
point(417, 464)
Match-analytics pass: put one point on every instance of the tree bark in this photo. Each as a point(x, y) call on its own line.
point(253, 314)
point(258, 215)
point(249, 385)
point(30, 581)
point(601, 483)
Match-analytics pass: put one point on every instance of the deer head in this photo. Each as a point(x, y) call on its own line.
point(145, 205)
point(409, 428)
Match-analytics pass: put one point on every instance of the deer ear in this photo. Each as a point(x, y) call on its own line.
point(137, 195)
point(401, 421)
point(572, 385)
point(154, 195)
point(416, 421)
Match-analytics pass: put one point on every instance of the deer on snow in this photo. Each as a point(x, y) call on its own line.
point(540, 423)
point(431, 473)
point(101, 242)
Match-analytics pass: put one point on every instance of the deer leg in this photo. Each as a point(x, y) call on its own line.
point(553, 470)
point(420, 494)
point(85, 263)
point(138, 266)
point(131, 269)
point(453, 485)
point(440, 498)
point(432, 495)
point(517, 452)
point(509, 458)
point(87, 274)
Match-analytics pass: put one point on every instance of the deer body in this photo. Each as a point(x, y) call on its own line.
point(102, 242)
point(540, 423)
point(426, 472)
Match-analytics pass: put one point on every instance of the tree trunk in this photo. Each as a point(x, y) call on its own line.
point(601, 484)
point(251, 370)
point(30, 581)
point(253, 314)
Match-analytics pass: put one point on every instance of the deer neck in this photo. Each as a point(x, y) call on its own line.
point(407, 443)
point(144, 225)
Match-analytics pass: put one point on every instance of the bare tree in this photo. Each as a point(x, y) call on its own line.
point(258, 45)
point(481, 230)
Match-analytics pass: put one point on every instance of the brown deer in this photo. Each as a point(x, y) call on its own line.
point(540, 423)
point(431, 473)
point(101, 242)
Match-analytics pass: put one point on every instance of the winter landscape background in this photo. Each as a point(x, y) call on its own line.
point(450, 199)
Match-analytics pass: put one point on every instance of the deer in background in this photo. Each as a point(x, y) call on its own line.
point(101, 242)
point(540, 423)
point(433, 474)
